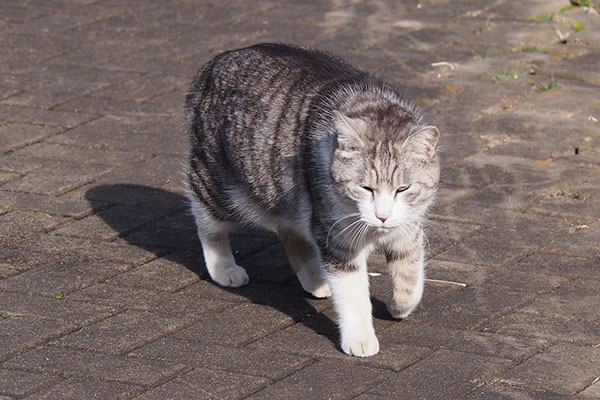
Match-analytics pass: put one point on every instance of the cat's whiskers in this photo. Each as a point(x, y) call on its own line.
point(337, 222)
point(359, 235)
point(350, 228)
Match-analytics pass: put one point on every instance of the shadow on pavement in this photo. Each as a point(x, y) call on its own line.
point(158, 221)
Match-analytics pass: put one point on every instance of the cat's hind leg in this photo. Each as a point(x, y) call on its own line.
point(214, 236)
point(305, 260)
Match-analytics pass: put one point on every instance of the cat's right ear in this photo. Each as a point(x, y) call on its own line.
point(349, 131)
point(423, 141)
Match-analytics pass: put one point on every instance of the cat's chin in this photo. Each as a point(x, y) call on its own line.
point(383, 229)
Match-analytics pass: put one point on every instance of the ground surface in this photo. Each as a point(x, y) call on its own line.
point(102, 286)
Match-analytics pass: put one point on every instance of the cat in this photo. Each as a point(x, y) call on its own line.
point(330, 158)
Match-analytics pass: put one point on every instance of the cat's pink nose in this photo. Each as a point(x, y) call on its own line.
point(382, 219)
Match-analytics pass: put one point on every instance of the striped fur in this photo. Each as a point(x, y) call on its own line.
point(302, 143)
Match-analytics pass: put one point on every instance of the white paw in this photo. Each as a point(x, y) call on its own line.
point(364, 345)
point(235, 276)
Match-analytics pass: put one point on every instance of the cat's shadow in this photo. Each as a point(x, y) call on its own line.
point(158, 221)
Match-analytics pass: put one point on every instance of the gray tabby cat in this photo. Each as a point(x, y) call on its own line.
point(330, 158)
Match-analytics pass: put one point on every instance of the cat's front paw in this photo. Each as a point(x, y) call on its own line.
point(234, 276)
point(400, 310)
point(360, 345)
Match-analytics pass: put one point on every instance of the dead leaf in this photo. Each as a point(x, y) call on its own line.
point(543, 162)
point(450, 88)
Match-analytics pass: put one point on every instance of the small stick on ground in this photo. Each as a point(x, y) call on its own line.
point(447, 282)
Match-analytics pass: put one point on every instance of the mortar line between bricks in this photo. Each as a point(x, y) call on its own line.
point(457, 242)
point(275, 381)
point(127, 232)
point(62, 375)
point(47, 342)
point(43, 387)
point(99, 281)
point(495, 380)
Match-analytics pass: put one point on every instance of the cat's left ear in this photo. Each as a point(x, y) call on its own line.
point(423, 141)
point(349, 131)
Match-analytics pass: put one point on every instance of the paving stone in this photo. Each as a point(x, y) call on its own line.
point(29, 223)
point(432, 379)
point(171, 304)
point(22, 333)
point(289, 297)
point(238, 326)
point(156, 236)
point(80, 363)
point(543, 263)
point(6, 176)
point(11, 162)
point(207, 384)
point(538, 227)
point(409, 333)
point(100, 132)
point(442, 234)
point(114, 107)
point(14, 136)
point(182, 220)
point(571, 300)
point(41, 250)
point(66, 176)
point(493, 247)
point(485, 276)
point(48, 24)
point(132, 194)
point(170, 273)
point(65, 310)
point(591, 392)
point(44, 203)
point(269, 265)
point(62, 277)
point(90, 155)
point(272, 364)
point(331, 379)
point(121, 333)
point(53, 93)
point(579, 366)
point(88, 388)
point(112, 223)
point(546, 327)
point(98, 53)
point(144, 87)
point(54, 118)
point(20, 383)
point(496, 391)
point(469, 308)
point(580, 243)
point(153, 172)
point(576, 202)
point(317, 336)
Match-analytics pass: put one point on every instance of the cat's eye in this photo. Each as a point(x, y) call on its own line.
point(368, 189)
point(402, 189)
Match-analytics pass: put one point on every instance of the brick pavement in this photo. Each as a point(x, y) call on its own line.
point(102, 287)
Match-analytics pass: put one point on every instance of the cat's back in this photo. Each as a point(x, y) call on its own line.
point(247, 110)
point(272, 63)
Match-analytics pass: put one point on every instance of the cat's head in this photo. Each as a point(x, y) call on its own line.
point(387, 167)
